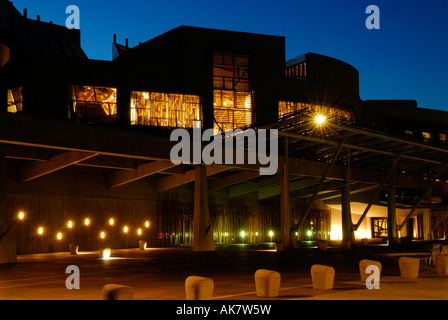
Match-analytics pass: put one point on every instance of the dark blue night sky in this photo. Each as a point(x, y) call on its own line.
point(405, 59)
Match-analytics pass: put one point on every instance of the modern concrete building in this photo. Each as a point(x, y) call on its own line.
point(85, 145)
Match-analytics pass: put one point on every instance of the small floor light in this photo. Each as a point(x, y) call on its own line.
point(105, 253)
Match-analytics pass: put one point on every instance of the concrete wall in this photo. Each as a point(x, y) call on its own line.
point(73, 195)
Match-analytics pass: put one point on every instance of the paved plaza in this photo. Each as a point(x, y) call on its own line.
point(160, 273)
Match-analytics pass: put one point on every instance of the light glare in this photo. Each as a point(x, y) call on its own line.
point(320, 119)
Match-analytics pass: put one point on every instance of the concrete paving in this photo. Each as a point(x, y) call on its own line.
point(160, 273)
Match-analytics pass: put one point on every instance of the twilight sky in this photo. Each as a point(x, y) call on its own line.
point(407, 58)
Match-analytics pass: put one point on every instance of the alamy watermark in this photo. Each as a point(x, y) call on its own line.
point(73, 21)
point(234, 147)
point(373, 280)
point(73, 280)
point(373, 20)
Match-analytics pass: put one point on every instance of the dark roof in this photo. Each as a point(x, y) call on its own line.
point(27, 37)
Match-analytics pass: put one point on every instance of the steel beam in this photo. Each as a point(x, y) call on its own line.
point(423, 196)
point(319, 186)
point(377, 191)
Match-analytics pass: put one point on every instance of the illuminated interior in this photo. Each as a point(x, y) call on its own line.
point(232, 95)
point(15, 100)
point(288, 107)
point(298, 70)
point(165, 109)
point(94, 104)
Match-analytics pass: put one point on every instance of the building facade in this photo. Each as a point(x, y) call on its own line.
point(85, 144)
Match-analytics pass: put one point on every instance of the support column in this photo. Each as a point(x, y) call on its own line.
point(285, 211)
point(346, 216)
point(7, 236)
point(202, 227)
point(392, 230)
point(347, 225)
point(427, 227)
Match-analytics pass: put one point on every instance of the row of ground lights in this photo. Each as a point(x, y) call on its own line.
point(70, 224)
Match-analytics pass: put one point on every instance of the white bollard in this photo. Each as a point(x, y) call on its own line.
point(363, 264)
point(267, 283)
point(199, 288)
point(409, 267)
point(322, 277)
point(117, 292)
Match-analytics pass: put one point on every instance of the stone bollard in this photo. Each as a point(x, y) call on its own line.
point(441, 263)
point(199, 288)
point(363, 264)
point(73, 248)
point(409, 267)
point(322, 277)
point(142, 244)
point(267, 283)
point(117, 292)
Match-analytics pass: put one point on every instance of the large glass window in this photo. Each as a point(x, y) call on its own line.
point(232, 95)
point(15, 100)
point(94, 104)
point(287, 107)
point(165, 109)
point(379, 227)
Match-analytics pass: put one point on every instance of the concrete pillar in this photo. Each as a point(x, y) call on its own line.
point(347, 237)
point(427, 227)
point(7, 235)
point(392, 230)
point(202, 227)
point(347, 225)
point(123, 106)
point(285, 205)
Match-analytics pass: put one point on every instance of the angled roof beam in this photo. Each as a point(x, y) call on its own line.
point(293, 186)
point(38, 169)
point(232, 179)
point(173, 181)
point(319, 186)
point(118, 163)
point(126, 176)
point(377, 191)
point(337, 194)
point(426, 193)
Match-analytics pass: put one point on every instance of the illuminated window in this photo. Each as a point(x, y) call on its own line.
point(379, 227)
point(232, 95)
point(15, 100)
point(165, 109)
point(442, 137)
point(426, 135)
point(408, 132)
point(94, 104)
point(287, 107)
point(298, 70)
